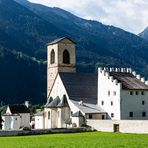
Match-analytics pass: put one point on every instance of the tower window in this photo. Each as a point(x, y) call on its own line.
point(102, 102)
point(66, 57)
point(52, 57)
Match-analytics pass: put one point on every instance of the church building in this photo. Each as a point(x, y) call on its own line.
point(71, 96)
point(76, 99)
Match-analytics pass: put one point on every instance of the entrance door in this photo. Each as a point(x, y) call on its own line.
point(116, 127)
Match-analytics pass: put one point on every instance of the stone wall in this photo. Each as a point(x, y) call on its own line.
point(42, 131)
point(125, 126)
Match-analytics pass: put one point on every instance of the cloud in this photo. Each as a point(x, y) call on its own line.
point(130, 15)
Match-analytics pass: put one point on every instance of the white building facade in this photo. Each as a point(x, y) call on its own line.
point(122, 94)
point(107, 101)
point(71, 96)
point(16, 117)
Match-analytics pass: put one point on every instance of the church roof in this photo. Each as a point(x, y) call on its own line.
point(39, 114)
point(20, 108)
point(63, 102)
point(88, 108)
point(60, 39)
point(50, 100)
point(128, 80)
point(54, 103)
point(80, 85)
point(77, 114)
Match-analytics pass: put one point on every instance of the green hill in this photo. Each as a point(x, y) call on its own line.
point(25, 28)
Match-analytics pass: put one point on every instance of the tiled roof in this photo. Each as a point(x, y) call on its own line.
point(60, 39)
point(50, 100)
point(39, 114)
point(80, 85)
point(128, 80)
point(77, 114)
point(63, 102)
point(88, 108)
point(15, 109)
point(54, 103)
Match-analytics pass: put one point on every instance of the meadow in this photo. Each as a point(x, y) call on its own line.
point(77, 140)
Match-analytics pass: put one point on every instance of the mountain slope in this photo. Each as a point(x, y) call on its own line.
point(105, 45)
point(144, 34)
point(29, 32)
point(20, 78)
point(24, 31)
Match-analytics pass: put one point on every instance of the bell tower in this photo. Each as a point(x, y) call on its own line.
point(61, 57)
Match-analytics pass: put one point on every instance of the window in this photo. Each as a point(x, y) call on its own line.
point(108, 93)
point(143, 114)
point(102, 102)
point(143, 102)
point(66, 57)
point(58, 114)
point(103, 117)
point(112, 115)
point(137, 92)
point(49, 115)
point(131, 92)
point(71, 113)
point(111, 103)
point(52, 57)
point(114, 93)
point(130, 114)
point(142, 93)
point(15, 118)
point(90, 116)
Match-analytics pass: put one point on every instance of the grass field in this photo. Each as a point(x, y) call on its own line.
point(78, 140)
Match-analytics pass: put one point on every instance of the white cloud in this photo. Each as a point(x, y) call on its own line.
point(131, 15)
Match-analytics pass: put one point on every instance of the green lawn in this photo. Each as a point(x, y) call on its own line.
point(78, 140)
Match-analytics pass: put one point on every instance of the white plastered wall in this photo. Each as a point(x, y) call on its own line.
point(133, 103)
point(39, 122)
point(106, 84)
point(58, 90)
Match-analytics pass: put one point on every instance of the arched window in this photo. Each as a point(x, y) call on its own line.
point(52, 57)
point(66, 57)
point(49, 115)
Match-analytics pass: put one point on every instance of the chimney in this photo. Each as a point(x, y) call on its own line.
point(81, 103)
point(27, 104)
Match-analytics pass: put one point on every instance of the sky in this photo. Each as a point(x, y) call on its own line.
point(130, 15)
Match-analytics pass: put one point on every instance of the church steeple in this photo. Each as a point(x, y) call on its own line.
point(61, 58)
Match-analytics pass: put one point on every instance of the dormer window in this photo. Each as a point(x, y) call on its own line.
point(52, 57)
point(66, 57)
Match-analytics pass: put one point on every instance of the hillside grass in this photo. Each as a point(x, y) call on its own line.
point(77, 140)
